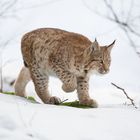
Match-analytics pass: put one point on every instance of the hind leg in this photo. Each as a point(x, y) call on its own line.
point(22, 81)
point(40, 81)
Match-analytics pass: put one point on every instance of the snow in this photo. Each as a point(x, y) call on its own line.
point(113, 120)
point(24, 120)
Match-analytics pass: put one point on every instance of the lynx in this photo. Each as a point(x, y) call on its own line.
point(69, 56)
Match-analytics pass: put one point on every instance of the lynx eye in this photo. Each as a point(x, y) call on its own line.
point(101, 61)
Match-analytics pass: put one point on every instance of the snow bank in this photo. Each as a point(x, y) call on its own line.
point(21, 119)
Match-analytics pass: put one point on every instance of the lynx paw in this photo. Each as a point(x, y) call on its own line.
point(54, 100)
point(89, 102)
point(69, 88)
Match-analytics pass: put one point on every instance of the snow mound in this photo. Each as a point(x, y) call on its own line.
point(21, 119)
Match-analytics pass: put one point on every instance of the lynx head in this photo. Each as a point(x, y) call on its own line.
point(99, 57)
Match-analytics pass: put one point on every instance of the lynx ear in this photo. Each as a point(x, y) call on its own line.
point(109, 47)
point(95, 45)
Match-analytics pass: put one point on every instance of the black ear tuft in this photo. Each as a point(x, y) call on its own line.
point(112, 43)
point(109, 47)
point(96, 40)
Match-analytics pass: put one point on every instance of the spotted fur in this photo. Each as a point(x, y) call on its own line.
point(69, 56)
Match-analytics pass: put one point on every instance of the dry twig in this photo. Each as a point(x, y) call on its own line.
point(127, 23)
point(132, 101)
point(63, 101)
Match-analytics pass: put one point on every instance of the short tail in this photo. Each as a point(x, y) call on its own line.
point(22, 81)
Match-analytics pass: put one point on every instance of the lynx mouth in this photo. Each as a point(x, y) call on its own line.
point(103, 72)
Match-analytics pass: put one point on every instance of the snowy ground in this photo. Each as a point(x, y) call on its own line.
point(21, 119)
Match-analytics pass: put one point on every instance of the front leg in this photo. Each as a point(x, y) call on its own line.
point(82, 90)
point(69, 80)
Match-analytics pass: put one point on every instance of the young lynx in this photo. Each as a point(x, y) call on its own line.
point(69, 56)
